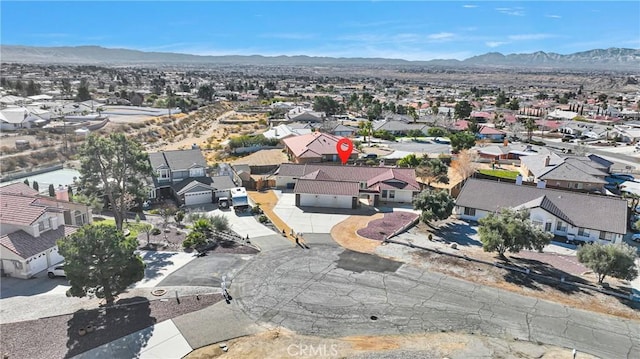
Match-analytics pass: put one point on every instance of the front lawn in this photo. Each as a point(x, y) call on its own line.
point(511, 175)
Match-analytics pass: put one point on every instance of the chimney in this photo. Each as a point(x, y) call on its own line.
point(519, 180)
point(62, 193)
point(541, 184)
point(547, 160)
point(505, 142)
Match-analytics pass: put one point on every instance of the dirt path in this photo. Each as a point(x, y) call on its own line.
point(268, 201)
point(345, 234)
point(281, 343)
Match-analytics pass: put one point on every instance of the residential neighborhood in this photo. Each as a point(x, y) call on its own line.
point(227, 197)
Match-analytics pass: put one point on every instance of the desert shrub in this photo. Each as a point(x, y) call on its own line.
point(219, 223)
point(263, 219)
point(155, 231)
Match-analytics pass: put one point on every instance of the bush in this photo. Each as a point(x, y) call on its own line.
point(155, 231)
point(263, 219)
point(219, 223)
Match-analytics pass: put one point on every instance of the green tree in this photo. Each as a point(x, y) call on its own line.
point(100, 260)
point(219, 222)
point(114, 167)
point(514, 104)
point(326, 104)
point(146, 228)
point(436, 132)
point(462, 109)
point(32, 88)
point(171, 103)
point(501, 99)
point(83, 92)
point(205, 92)
point(179, 217)
point(462, 141)
point(410, 160)
point(367, 129)
point(195, 239)
point(511, 230)
point(530, 125)
point(433, 170)
point(93, 202)
point(52, 191)
point(26, 181)
point(36, 186)
point(615, 260)
point(435, 205)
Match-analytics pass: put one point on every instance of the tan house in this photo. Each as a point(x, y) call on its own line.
point(30, 225)
point(580, 173)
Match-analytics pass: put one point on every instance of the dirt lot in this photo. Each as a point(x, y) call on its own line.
point(281, 343)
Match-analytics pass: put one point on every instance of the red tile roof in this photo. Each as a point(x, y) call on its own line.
point(315, 144)
point(369, 175)
point(18, 188)
point(486, 130)
point(19, 210)
point(336, 188)
point(25, 245)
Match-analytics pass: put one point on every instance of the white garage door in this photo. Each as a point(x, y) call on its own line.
point(38, 264)
point(322, 200)
point(197, 198)
point(55, 257)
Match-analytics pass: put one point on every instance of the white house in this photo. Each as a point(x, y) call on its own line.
point(584, 217)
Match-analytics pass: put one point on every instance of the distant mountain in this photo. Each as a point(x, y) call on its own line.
point(600, 59)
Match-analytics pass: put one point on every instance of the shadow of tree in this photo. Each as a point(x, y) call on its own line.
point(542, 274)
point(156, 261)
point(110, 323)
point(459, 233)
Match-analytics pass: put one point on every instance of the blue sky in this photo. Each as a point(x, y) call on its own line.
point(412, 30)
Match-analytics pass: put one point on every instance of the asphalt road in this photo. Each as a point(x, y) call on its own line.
point(328, 292)
point(433, 148)
point(207, 271)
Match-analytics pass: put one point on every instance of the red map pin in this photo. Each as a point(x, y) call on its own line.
point(344, 147)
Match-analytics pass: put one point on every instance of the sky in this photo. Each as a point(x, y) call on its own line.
point(411, 30)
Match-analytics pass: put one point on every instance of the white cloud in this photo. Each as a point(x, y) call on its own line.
point(441, 36)
point(526, 37)
point(554, 16)
point(495, 43)
point(469, 6)
point(512, 11)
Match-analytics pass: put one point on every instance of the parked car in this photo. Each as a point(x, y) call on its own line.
point(370, 156)
point(56, 271)
point(636, 237)
point(568, 138)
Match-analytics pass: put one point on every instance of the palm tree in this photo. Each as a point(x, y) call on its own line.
point(367, 126)
point(530, 126)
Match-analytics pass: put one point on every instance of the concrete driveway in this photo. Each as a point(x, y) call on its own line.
point(309, 220)
point(160, 265)
point(243, 223)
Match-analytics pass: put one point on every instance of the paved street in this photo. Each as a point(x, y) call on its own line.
point(328, 292)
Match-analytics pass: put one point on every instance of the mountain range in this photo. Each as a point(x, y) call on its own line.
point(599, 59)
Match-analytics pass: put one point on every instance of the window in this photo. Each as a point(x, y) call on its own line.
point(384, 193)
point(537, 223)
point(196, 172)
point(561, 227)
point(163, 174)
point(606, 236)
point(583, 232)
point(80, 218)
point(392, 194)
point(547, 226)
point(44, 224)
point(469, 211)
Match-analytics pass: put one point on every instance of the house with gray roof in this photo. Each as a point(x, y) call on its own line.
point(396, 127)
point(579, 173)
point(580, 216)
point(335, 186)
point(182, 175)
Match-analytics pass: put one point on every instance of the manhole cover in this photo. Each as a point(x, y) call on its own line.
point(373, 317)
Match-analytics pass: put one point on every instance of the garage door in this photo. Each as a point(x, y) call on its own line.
point(55, 257)
point(38, 264)
point(321, 200)
point(197, 198)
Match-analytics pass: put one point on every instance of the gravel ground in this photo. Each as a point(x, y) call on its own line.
point(58, 337)
point(380, 229)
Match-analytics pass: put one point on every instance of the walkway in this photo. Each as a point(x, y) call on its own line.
point(268, 201)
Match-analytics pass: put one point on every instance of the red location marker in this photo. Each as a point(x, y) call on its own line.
point(344, 147)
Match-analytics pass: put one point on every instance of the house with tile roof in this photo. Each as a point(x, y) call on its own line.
point(314, 147)
point(182, 175)
point(30, 225)
point(580, 173)
point(335, 186)
point(580, 216)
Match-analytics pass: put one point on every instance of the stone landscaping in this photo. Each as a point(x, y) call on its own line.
point(384, 228)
